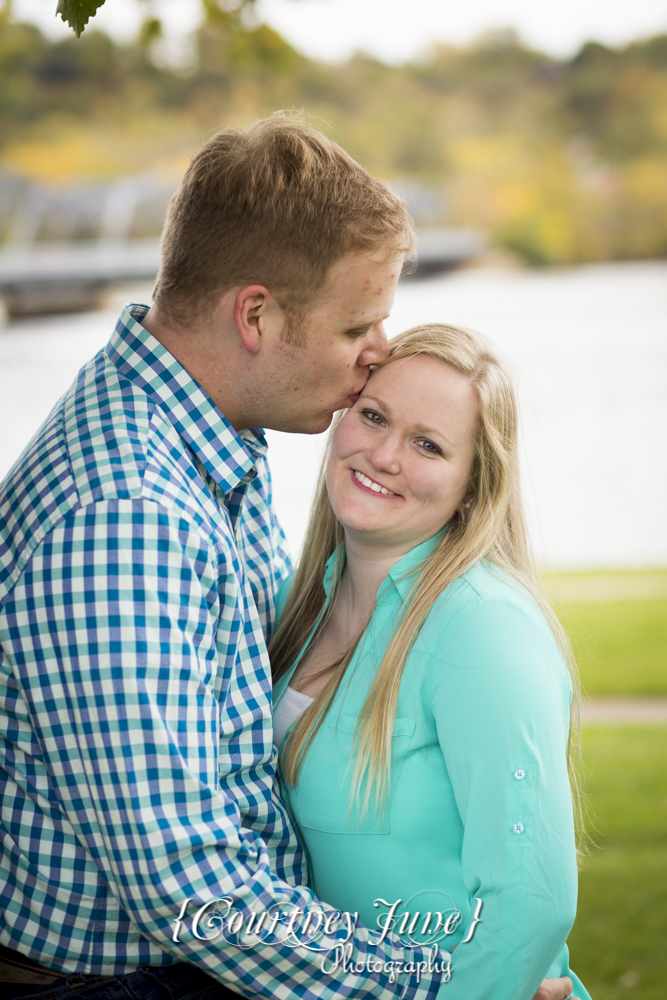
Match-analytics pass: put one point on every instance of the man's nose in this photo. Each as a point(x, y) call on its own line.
point(376, 347)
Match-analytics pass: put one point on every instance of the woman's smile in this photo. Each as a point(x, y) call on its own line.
point(370, 485)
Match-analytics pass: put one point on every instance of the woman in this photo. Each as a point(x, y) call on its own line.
point(422, 682)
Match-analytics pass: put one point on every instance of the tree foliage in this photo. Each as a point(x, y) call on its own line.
point(562, 160)
point(77, 13)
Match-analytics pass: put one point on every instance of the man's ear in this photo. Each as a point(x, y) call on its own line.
point(254, 307)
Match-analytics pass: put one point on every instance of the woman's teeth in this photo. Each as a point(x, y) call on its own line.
point(365, 481)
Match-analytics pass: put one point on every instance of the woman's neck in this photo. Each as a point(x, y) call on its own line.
point(365, 569)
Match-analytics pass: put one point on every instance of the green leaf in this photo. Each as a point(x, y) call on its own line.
point(77, 13)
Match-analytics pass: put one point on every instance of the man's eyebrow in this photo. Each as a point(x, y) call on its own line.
point(369, 322)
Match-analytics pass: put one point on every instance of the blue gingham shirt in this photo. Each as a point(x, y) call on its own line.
point(139, 561)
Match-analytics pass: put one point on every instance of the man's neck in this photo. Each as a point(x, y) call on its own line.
point(198, 350)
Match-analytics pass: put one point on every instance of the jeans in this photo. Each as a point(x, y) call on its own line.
point(171, 982)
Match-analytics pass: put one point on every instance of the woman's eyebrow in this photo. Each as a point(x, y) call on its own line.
point(380, 402)
point(433, 432)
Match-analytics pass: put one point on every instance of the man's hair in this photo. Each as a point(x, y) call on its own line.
point(276, 204)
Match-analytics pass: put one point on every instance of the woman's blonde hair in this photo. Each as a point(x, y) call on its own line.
point(492, 528)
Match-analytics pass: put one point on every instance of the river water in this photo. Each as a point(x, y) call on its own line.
point(588, 348)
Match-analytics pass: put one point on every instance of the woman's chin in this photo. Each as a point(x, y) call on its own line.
point(373, 529)
point(365, 526)
point(380, 535)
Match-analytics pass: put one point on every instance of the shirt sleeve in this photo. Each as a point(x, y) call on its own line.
point(501, 703)
point(127, 668)
point(281, 561)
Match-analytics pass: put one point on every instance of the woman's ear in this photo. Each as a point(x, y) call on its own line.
point(464, 508)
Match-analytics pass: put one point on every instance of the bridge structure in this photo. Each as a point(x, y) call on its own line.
point(63, 248)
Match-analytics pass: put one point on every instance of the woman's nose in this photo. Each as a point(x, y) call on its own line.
point(384, 457)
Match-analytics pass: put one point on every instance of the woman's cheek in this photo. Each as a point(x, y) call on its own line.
point(348, 436)
point(434, 488)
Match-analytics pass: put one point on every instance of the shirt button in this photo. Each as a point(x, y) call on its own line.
point(519, 775)
point(518, 828)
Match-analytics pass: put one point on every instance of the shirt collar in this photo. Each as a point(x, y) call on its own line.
point(334, 567)
point(227, 456)
point(401, 575)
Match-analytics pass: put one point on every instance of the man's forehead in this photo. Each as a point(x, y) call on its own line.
point(357, 302)
point(361, 274)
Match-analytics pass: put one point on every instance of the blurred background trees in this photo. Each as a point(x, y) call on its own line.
point(561, 161)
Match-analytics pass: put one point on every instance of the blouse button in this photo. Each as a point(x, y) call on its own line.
point(518, 828)
point(519, 775)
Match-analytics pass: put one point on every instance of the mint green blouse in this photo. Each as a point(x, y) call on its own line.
point(479, 803)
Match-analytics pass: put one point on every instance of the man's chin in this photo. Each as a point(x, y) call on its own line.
point(304, 425)
point(317, 425)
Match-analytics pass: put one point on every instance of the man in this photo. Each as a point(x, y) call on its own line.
point(139, 559)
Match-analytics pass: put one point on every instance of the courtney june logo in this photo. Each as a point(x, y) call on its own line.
point(323, 930)
point(342, 958)
point(289, 924)
point(422, 926)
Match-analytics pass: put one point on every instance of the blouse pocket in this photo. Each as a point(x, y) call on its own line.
point(322, 798)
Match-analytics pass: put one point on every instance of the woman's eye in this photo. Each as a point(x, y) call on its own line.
point(374, 417)
point(431, 448)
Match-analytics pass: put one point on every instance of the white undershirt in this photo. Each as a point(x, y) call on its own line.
point(289, 708)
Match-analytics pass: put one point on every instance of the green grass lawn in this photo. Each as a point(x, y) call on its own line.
point(618, 945)
point(618, 626)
